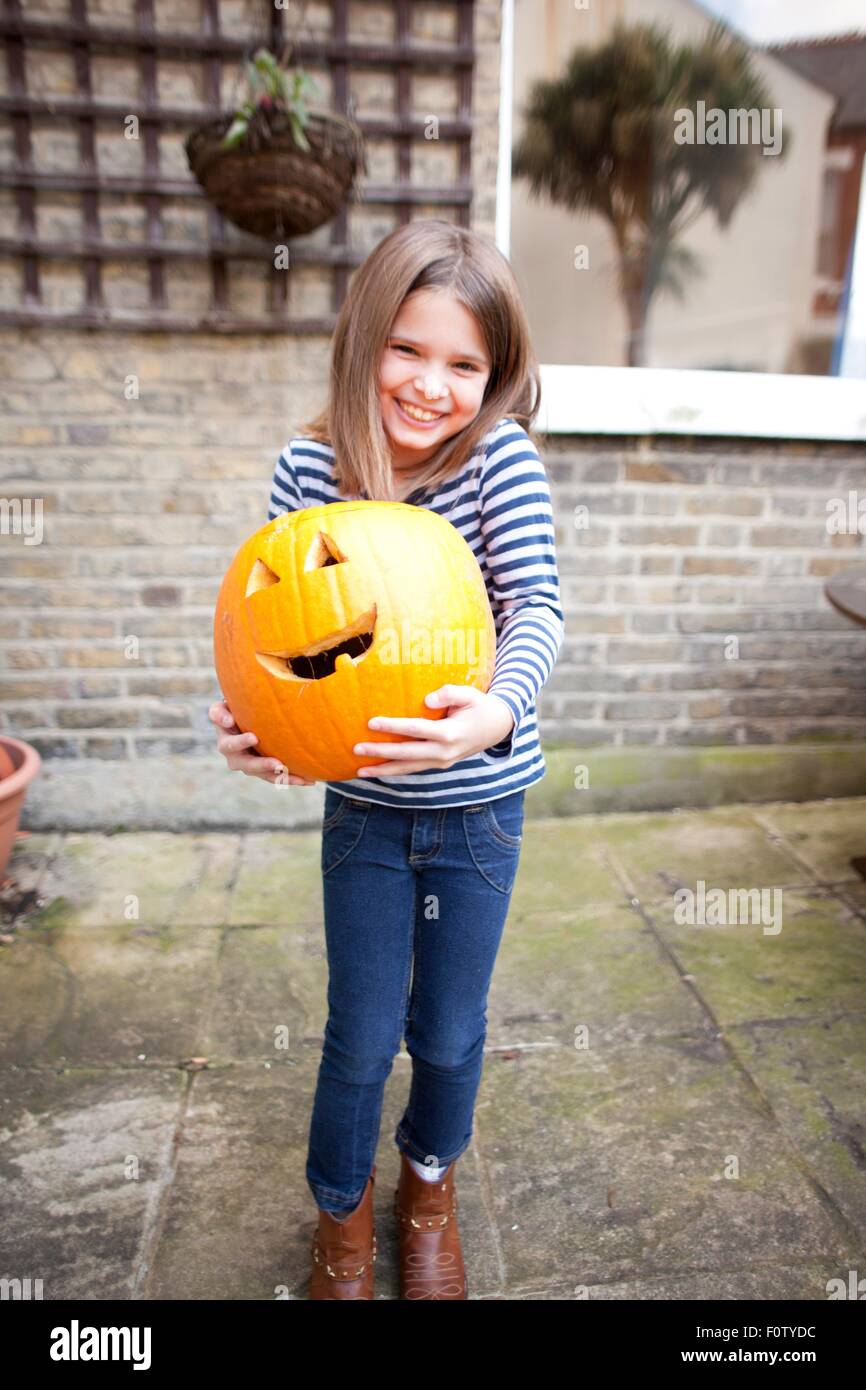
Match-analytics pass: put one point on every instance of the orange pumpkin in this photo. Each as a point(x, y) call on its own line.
point(331, 615)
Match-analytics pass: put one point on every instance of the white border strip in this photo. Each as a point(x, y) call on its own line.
point(664, 400)
point(503, 164)
point(853, 354)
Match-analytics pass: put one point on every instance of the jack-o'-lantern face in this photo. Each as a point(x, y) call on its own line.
point(333, 614)
point(319, 658)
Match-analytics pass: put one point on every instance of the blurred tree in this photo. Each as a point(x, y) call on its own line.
point(601, 138)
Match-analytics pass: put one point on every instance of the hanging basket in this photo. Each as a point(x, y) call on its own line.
point(268, 185)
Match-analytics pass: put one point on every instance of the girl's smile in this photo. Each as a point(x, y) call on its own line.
point(419, 415)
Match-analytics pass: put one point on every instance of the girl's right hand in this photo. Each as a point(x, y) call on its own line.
point(240, 755)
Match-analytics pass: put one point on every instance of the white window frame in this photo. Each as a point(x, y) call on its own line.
point(671, 400)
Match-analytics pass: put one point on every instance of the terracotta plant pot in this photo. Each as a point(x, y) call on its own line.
point(25, 763)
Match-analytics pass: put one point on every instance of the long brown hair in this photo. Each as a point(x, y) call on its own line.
point(429, 253)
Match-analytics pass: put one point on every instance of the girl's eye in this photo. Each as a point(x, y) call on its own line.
point(404, 347)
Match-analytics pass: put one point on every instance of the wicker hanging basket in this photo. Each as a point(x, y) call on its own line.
point(268, 185)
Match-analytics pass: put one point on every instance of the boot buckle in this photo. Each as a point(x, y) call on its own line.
point(342, 1271)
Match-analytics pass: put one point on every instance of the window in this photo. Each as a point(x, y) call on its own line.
point(684, 188)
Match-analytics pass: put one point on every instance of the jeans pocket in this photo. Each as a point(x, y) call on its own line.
point(505, 818)
point(494, 841)
point(334, 809)
point(342, 831)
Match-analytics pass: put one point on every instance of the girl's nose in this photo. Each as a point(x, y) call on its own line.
point(431, 387)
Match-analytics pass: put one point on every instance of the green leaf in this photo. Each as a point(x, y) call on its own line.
point(256, 82)
point(235, 132)
point(298, 133)
point(268, 68)
point(265, 60)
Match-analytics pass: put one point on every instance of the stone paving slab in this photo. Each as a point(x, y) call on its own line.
point(794, 1282)
point(269, 1003)
point(279, 879)
point(173, 879)
point(235, 1220)
point(810, 1072)
point(600, 969)
point(726, 847)
point(31, 851)
point(563, 866)
point(609, 1165)
point(84, 1156)
point(825, 835)
point(855, 895)
point(111, 995)
point(239, 1218)
point(815, 966)
point(632, 1063)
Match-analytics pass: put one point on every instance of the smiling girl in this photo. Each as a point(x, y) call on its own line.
point(433, 383)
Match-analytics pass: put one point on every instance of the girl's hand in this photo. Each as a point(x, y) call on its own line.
point(474, 721)
point(238, 751)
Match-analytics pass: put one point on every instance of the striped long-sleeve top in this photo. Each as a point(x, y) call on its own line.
point(500, 503)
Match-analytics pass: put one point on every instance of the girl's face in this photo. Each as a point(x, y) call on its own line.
point(436, 360)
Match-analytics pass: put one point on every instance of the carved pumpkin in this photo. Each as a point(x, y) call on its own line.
point(331, 615)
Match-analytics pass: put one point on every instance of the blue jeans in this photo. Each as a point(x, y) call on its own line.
point(399, 885)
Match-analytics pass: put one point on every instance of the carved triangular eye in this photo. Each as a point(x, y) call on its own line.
point(261, 577)
point(324, 551)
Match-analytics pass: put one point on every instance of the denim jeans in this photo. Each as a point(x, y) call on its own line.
point(403, 888)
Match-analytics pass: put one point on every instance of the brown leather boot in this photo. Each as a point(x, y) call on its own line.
point(431, 1259)
point(344, 1252)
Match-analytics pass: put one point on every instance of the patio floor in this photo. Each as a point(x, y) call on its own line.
point(708, 1143)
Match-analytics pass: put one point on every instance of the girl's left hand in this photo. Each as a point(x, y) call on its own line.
point(473, 721)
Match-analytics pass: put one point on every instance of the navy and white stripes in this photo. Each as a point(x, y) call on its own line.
point(500, 503)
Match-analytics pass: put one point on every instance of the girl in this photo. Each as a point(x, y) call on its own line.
point(432, 381)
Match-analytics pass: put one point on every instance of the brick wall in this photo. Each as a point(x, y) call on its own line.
point(105, 627)
point(690, 544)
point(151, 454)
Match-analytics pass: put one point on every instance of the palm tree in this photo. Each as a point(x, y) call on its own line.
point(601, 138)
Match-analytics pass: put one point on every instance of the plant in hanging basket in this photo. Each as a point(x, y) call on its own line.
point(276, 167)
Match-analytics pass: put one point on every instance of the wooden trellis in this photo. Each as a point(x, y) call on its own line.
point(212, 49)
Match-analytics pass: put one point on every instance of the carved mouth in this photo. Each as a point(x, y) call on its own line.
point(320, 659)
